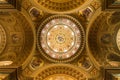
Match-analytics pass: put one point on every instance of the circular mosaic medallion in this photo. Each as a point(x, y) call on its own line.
point(60, 37)
point(118, 39)
point(2, 39)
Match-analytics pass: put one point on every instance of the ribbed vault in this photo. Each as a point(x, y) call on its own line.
point(104, 39)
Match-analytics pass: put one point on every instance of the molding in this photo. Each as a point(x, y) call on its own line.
point(10, 4)
point(111, 73)
point(110, 5)
point(7, 73)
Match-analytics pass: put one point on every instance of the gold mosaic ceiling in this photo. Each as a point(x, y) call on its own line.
point(60, 38)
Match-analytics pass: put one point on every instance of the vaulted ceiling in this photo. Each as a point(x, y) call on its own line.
point(59, 39)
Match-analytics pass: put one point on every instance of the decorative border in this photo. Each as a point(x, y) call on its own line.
point(110, 5)
point(82, 38)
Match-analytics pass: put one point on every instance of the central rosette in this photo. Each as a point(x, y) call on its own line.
point(60, 38)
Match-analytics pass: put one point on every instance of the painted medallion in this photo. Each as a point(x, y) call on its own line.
point(60, 38)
